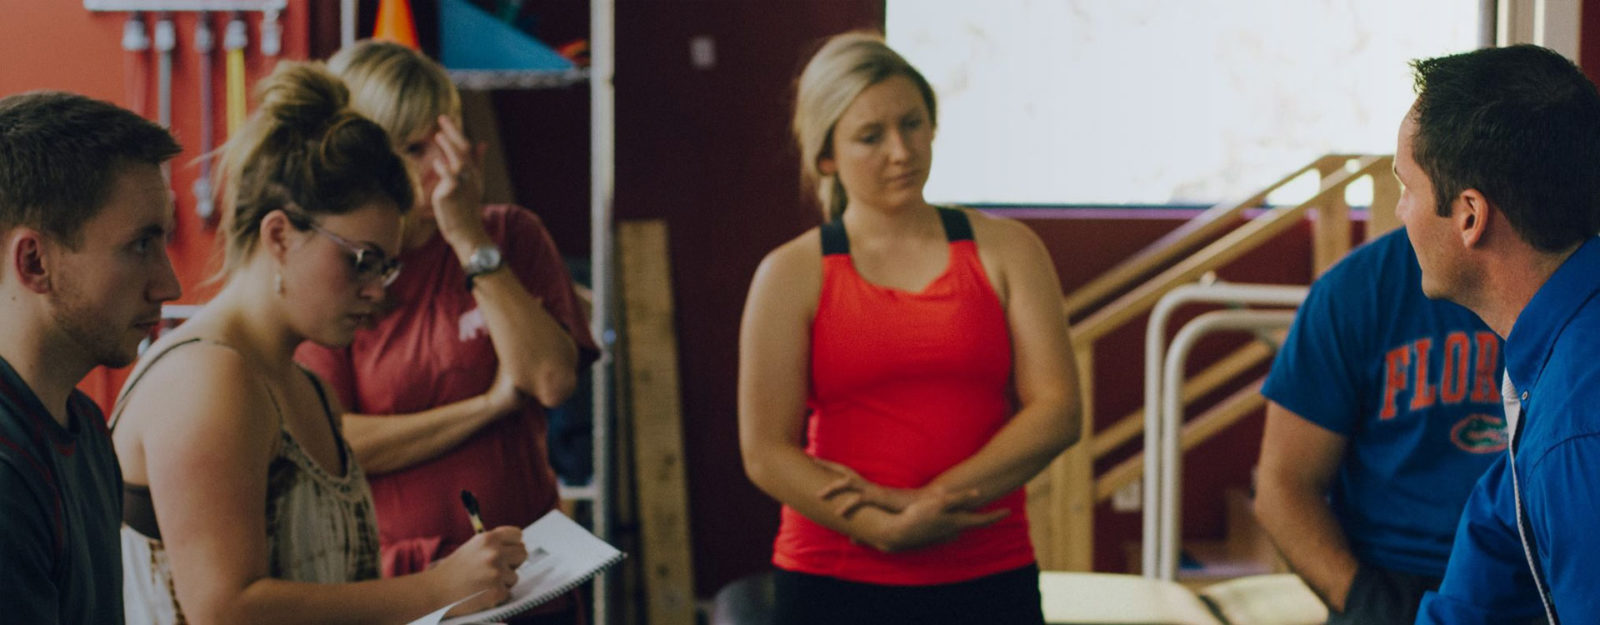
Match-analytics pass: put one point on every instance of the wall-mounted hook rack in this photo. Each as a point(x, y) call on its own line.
point(185, 5)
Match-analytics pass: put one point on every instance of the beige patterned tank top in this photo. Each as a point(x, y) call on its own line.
point(320, 527)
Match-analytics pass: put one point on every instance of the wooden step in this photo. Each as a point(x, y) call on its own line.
point(1203, 563)
point(1245, 550)
point(1246, 538)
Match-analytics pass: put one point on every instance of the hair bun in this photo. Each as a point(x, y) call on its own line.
point(303, 96)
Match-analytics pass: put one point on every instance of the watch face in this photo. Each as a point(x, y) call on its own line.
point(486, 258)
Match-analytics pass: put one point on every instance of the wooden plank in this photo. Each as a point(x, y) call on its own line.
point(1042, 520)
point(1330, 233)
point(1075, 501)
point(653, 390)
point(1061, 498)
point(1385, 194)
point(1061, 530)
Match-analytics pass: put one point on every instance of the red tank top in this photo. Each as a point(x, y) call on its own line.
point(904, 386)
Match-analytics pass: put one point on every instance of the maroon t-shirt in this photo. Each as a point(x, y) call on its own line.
point(432, 349)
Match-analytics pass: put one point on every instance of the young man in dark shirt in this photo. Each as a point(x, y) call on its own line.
point(85, 214)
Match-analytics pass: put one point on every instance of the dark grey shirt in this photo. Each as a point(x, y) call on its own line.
point(60, 510)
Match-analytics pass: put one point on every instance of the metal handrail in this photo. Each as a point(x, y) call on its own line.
point(1170, 462)
point(1069, 489)
point(1155, 347)
point(1201, 228)
point(1221, 252)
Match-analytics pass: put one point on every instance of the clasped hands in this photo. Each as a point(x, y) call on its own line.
point(915, 517)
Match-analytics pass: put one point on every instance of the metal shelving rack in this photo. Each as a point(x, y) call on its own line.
point(185, 5)
point(602, 150)
point(490, 79)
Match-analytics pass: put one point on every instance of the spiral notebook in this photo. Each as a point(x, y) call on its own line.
point(561, 555)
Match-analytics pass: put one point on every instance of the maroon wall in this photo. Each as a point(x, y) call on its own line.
point(709, 152)
point(1589, 38)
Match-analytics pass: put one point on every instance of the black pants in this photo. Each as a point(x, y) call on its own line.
point(1379, 596)
point(1009, 598)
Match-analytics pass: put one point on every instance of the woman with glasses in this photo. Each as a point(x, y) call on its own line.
point(480, 334)
point(242, 500)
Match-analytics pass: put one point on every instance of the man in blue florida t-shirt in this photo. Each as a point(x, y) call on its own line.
point(1500, 162)
point(1384, 411)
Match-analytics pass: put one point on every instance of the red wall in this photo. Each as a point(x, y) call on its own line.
point(545, 132)
point(60, 45)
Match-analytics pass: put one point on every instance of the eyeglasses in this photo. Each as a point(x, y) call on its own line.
point(372, 266)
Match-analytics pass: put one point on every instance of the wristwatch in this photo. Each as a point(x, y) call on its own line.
point(485, 259)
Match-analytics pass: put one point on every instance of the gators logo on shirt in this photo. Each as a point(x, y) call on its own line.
point(1480, 434)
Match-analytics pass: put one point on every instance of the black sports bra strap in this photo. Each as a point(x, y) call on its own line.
point(956, 226)
point(834, 239)
point(333, 422)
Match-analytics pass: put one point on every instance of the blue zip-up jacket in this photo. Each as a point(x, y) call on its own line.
point(1501, 570)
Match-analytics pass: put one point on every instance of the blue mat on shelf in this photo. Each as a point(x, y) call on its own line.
point(471, 39)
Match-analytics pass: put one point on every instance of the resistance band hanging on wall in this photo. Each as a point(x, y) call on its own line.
point(136, 78)
point(234, 41)
point(205, 42)
point(166, 40)
point(139, 38)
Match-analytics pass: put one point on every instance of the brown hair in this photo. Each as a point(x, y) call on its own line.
point(306, 152)
point(59, 157)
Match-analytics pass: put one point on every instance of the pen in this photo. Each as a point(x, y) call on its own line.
point(472, 510)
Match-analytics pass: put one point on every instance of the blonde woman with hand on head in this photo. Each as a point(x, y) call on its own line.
point(243, 502)
point(878, 358)
point(448, 388)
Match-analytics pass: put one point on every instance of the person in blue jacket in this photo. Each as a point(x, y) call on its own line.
point(1500, 163)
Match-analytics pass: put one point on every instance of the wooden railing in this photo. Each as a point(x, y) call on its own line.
point(1061, 500)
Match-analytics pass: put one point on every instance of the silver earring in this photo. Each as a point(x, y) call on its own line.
point(278, 284)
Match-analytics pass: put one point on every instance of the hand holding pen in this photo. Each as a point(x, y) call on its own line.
point(485, 564)
point(472, 510)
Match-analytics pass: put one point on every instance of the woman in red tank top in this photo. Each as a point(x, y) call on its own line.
point(904, 370)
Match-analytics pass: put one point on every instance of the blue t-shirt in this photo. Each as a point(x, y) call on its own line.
point(1412, 384)
point(1553, 360)
point(60, 512)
